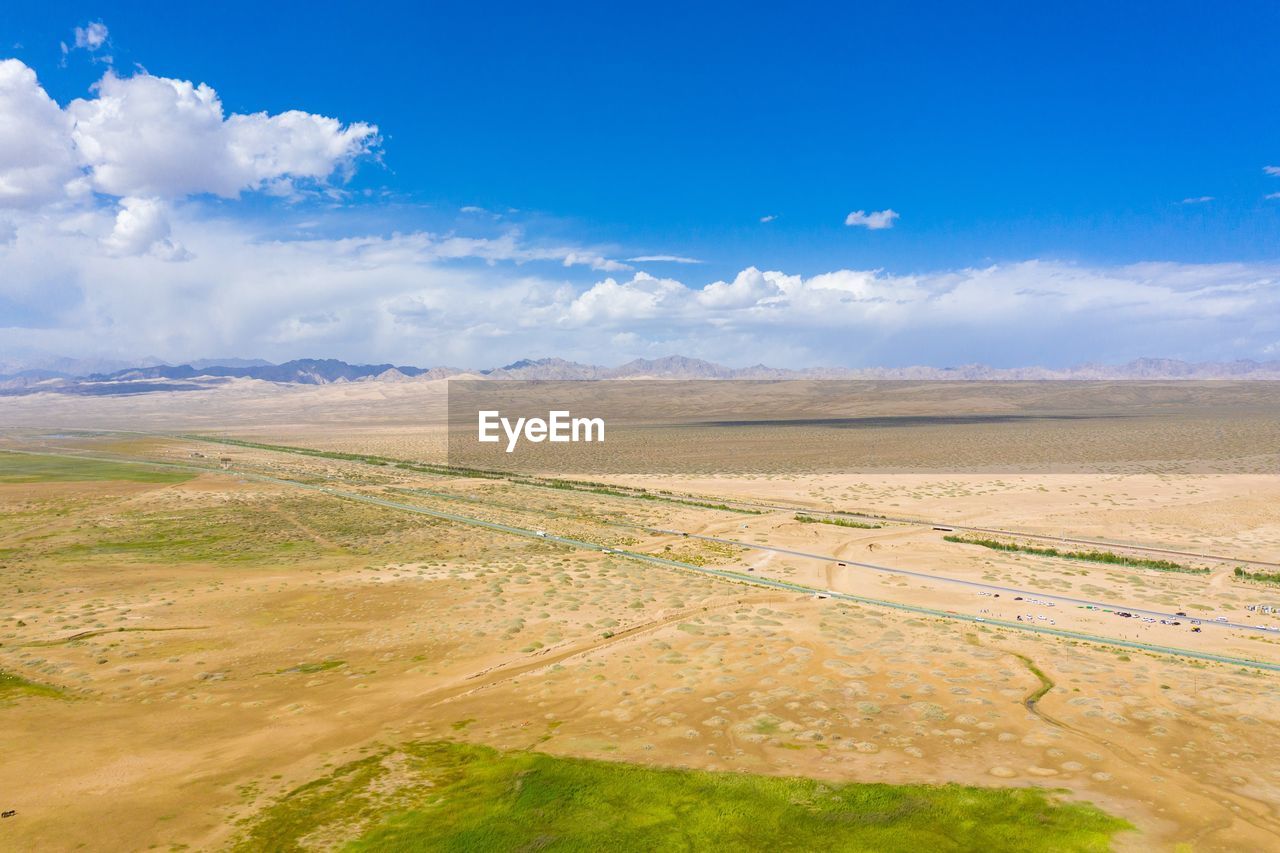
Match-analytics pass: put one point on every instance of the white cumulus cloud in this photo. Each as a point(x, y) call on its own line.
point(750, 287)
point(873, 221)
point(609, 302)
point(37, 159)
point(142, 227)
point(156, 137)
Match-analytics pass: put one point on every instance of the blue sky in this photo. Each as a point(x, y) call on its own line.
point(1084, 136)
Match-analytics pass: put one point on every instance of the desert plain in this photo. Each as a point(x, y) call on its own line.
point(275, 617)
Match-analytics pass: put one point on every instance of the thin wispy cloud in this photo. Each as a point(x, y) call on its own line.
point(769, 218)
point(93, 36)
point(665, 259)
point(876, 220)
point(1272, 170)
point(1202, 199)
point(90, 38)
point(593, 261)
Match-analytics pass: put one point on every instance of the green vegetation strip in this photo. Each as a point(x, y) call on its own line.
point(586, 486)
point(838, 522)
point(462, 797)
point(365, 458)
point(30, 468)
point(1046, 683)
point(616, 492)
point(1088, 556)
point(1260, 577)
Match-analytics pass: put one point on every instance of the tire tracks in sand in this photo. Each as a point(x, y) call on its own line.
point(1256, 813)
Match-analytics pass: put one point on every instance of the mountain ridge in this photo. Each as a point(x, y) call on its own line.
point(310, 371)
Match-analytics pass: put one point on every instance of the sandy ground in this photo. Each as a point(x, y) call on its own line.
point(262, 635)
point(1232, 514)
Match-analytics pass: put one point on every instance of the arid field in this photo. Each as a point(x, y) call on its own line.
point(271, 617)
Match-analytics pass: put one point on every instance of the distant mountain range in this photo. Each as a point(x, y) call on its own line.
point(303, 371)
point(682, 367)
point(308, 371)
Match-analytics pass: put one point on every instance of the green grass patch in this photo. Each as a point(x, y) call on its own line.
point(1088, 556)
point(837, 522)
point(27, 468)
point(462, 797)
point(293, 528)
point(223, 535)
point(15, 686)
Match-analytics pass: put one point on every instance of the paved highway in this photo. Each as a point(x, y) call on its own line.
point(968, 583)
